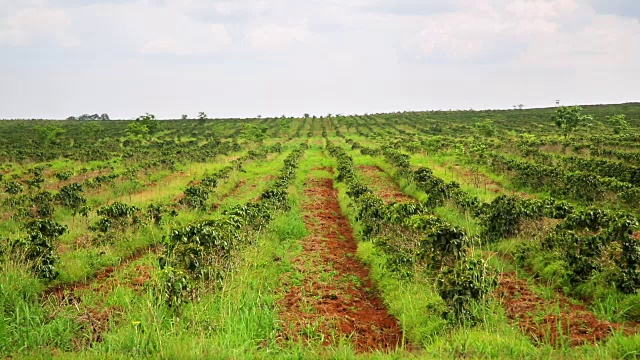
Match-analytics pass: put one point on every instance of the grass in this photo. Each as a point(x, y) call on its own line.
point(242, 317)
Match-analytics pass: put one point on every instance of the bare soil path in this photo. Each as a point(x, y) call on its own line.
point(330, 296)
point(382, 185)
point(557, 322)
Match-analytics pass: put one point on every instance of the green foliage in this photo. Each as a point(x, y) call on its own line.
point(203, 250)
point(49, 133)
point(486, 127)
point(137, 130)
point(156, 213)
point(568, 118)
point(64, 175)
point(70, 197)
point(254, 132)
point(43, 205)
point(149, 121)
point(410, 238)
point(115, 218)
point(176, 287)
point(13, 187)
point(39, 249)
point(594, 239)
point(195, 196)
point(469, 280)
point(618, 123)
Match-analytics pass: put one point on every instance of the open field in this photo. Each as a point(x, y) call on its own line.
point(432, 235)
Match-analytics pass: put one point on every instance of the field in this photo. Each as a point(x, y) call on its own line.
point(443, 234)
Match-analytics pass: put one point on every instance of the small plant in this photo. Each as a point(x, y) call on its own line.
point(13, 187)
point(39, 248)
point(195, 196)
point(176, 287)
point(70, 197)
point(115, 218)
point(460, 285)
point(64, 175)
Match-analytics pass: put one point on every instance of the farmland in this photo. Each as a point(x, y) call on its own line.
point(481, 234)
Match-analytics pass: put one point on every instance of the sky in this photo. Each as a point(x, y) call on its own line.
point(244, 58)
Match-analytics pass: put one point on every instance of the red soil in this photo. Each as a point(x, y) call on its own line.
point(335, 298)
point(383, 185)
point(76, 178)
point(64, 291)
point(95, 321)
point(554, 322)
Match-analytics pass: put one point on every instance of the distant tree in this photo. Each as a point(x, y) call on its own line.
point(486, 127)
point(306, 116)
point(568, 118)
point(49, 133)
point(137, 129)
point(91, 130)
point(618, 123)
point(520, 106)
point(184, 117)
point(87, 117)
point(202, 115)
point(259, 116)
point(254, 132)
point(149, 121)
point(284, 125)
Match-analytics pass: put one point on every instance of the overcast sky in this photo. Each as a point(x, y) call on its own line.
point(242, 58)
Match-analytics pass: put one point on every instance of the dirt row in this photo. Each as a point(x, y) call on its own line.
point(382, 185)
point(95, 320)
point(554, 322)
point(63, 291)
point(330, 296)
point(557, 322)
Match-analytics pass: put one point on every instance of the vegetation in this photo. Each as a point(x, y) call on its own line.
point(481, 234)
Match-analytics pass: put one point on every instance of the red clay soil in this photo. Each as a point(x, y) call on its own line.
point(76, 178)
point(235, 191)
point(477, 179)
point(382, 185)
point(556, 322)
point(335, 297)
point(95, 321)
point(66, 291)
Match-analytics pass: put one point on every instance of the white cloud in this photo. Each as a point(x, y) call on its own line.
point(195, 39)
point(385, 54)
point(607, 41)
point(528, 32)
point(273, 36)
point(26, 25)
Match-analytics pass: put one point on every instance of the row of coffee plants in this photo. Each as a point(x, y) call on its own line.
point(416, 242)
point(203, 252)
point(581, 186)
point(601, 167)
point(590, 242)
point(198, 192)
